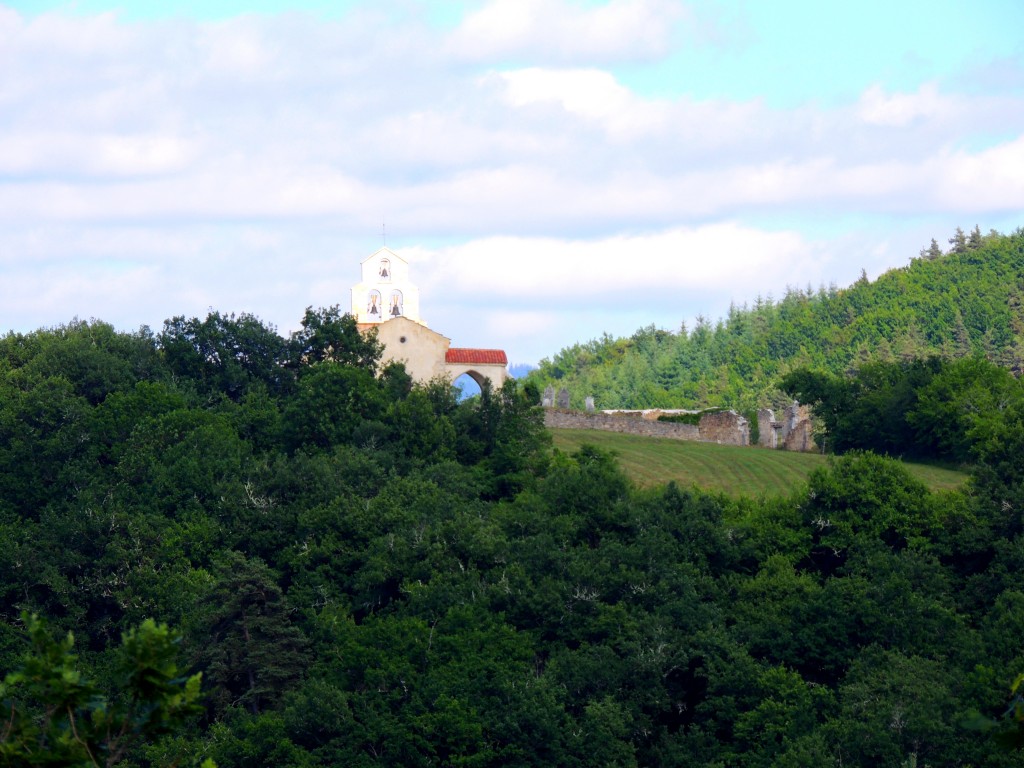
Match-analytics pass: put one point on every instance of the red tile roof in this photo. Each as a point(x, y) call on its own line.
point(476, 356)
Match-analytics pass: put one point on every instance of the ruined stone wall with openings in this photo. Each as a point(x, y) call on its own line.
point(767, 429)
point(800, 429)
point(559, 418)
point(793, 432)
point(725, 427)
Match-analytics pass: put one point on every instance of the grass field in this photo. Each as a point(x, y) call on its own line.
point(738, 471)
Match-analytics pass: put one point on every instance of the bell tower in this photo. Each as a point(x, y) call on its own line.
point(387, 302)
point(385, 292)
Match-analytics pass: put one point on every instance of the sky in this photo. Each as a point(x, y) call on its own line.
point(553, 170)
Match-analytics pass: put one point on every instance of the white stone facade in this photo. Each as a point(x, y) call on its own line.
point(385, 292)
point(387, 301)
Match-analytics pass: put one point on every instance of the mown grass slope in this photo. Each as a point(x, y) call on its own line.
point(737, 471)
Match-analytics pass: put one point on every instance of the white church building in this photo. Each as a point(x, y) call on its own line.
point(386, 300)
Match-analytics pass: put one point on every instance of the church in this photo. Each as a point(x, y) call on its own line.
point(386, 300)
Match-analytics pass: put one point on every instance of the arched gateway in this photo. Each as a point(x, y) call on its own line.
point(385, 299)
point(479, 364)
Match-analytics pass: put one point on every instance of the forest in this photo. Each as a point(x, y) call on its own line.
point(968, 300)
point(222, 546)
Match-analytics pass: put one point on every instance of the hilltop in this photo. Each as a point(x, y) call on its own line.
point(969, 300)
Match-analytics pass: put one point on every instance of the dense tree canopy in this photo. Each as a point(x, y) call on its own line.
point(368, 572)
point(934, 408)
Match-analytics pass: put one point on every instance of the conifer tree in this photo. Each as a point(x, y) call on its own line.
point(958, 241)
point(932, 252)
point(245, 641)
point(974, 242)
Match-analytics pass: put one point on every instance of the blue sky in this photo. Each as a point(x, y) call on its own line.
point(553, 169)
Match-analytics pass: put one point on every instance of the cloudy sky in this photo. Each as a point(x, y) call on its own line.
point(552, 169)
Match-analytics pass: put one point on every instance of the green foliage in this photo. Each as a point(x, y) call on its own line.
point(999, 476)
point(930, 408)
point(962, 405)
point(368, 572)
point(503, 433)
point(243, 639)
point(418, 431)
point(331, 401)
point(895, 710)
point(223, 353)
point(967, 302)
point(862, 493)
point(328, 335)
point(869, 410)
point(1014, 737)
point(686, 418)
point(58, 717)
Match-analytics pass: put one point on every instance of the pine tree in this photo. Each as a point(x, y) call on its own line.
point(961, 336)
point(245, 641)
point(932, 252)
point(975, 240)
point(958, 241)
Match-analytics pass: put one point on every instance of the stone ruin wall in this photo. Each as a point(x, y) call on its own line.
point(724, 427)
point(793, 432)
point(767, 434)
point(559, 418)
point(650, 414)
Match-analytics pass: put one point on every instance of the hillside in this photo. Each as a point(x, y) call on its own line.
point(970, 300)
point(733, 470)
point(367, 572)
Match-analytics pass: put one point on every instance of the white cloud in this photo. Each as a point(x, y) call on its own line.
point(104, 155)
point(230, 189)
point(534, 296)
point(238, 48)
point(516, 325)
point(992, 180)
point(51, 296)
point(292, 118)
point(726, 256)
point(589, 93)
point(899, 110)
point(561, 30)
point(85, 38)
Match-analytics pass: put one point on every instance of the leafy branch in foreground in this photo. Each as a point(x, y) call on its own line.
point(54, 716)
point(1008, 730)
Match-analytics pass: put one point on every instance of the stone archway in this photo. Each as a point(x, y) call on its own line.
point(476, 376)
point(479, 364)
point(467, 386)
